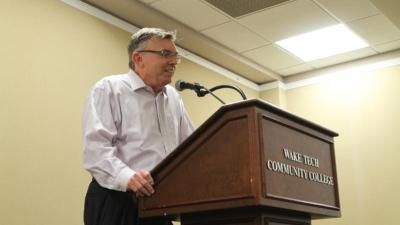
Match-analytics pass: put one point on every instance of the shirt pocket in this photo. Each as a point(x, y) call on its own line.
point(132, 124)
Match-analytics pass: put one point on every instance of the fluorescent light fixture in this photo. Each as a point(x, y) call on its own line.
point(322, 43)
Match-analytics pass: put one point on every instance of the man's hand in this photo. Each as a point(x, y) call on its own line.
point(141, 183)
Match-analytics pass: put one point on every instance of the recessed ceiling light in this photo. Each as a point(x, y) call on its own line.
point(322, 43)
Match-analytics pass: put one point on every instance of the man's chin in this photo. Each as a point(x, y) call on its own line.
point(166, 82)
point(168, 79)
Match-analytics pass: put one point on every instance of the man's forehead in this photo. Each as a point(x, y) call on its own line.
point(161, 42)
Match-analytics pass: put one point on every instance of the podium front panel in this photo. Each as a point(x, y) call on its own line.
point(299, 165)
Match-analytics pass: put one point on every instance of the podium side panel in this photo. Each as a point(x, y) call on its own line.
point(213, 172)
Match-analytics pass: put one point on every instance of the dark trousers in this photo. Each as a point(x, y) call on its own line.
point(109, 207)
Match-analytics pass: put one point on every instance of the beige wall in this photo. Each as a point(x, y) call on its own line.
point(51, 54)
point(365, 110)
point(276, 96)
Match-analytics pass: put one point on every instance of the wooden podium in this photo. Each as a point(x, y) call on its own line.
point(250, 163)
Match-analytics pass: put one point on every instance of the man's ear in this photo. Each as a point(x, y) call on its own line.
point(136, 58)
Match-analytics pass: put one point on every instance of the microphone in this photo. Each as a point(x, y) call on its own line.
point(201, 91)
point(181, 85)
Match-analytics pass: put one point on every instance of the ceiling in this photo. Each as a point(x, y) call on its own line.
point(239, 35)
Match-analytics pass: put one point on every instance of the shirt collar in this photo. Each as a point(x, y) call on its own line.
point(137, 83)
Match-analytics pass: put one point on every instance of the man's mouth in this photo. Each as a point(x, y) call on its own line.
point(170, 70)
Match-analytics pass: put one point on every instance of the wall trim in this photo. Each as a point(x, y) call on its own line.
point(272, 85)
point(106, 17)
point(369, 64)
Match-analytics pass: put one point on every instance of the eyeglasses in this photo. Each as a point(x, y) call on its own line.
point(164, 53)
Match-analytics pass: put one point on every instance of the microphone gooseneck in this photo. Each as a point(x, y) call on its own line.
point(201, 91)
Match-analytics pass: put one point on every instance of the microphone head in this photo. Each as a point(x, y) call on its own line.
point(178, 85)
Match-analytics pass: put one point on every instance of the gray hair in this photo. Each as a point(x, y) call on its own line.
point(142, 36)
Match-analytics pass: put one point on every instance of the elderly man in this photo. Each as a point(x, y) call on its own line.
point(131, 122)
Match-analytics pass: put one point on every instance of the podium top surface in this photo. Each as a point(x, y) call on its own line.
point(272, 108)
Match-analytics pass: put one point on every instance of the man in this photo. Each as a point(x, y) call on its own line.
point(131, 122)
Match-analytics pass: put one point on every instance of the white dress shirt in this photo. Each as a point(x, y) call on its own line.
point(127, 127)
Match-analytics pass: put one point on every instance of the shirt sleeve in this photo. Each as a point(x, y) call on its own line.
point(100, 135)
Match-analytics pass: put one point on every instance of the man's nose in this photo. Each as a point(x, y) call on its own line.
point(174, 60)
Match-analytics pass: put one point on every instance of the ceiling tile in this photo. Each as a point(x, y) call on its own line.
point(193, 13)
point(295, 69)
point(356, 54)
point(287, 20)
point(375, 30)
point(272, 57)
point(390, 8)
point(393, 45)
point(235, 36)
point(347, 10)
